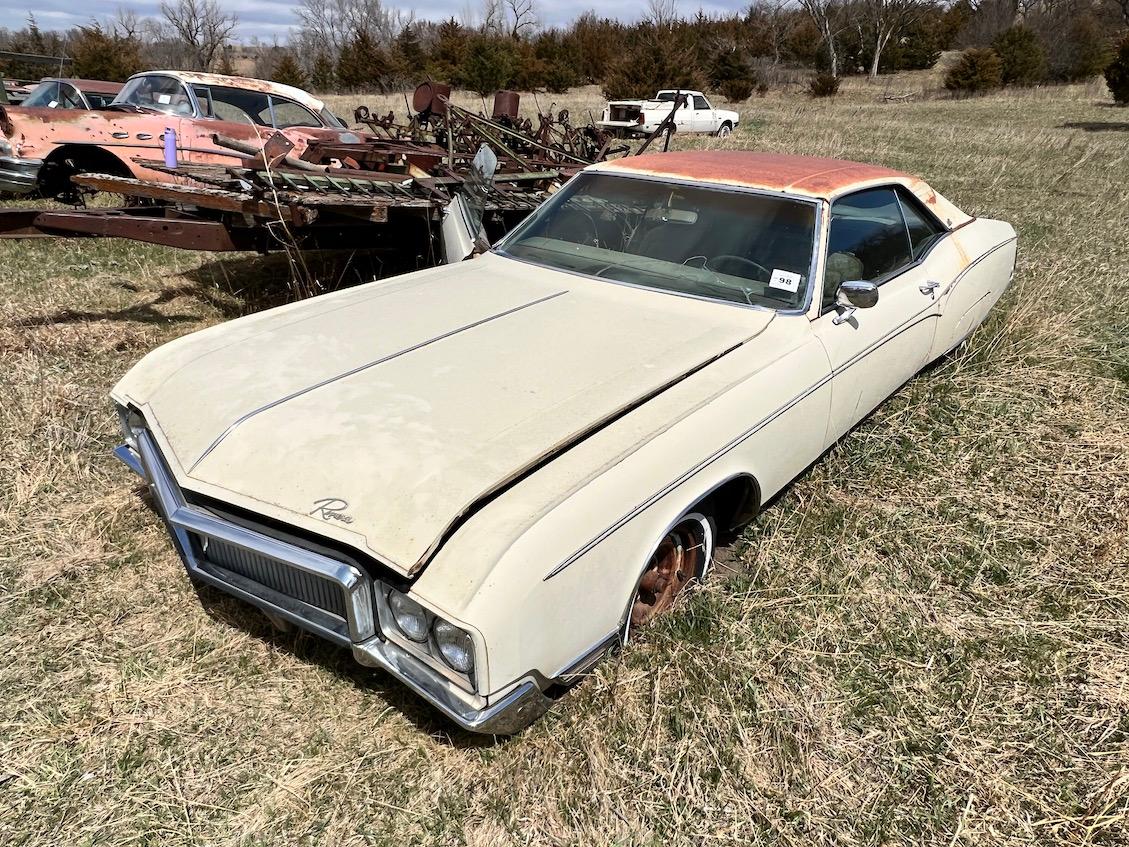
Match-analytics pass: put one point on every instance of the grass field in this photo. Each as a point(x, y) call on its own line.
point(923, 641)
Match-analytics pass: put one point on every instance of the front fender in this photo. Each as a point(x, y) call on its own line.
point(547, 571)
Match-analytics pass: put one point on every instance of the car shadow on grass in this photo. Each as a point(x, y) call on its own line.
point(144, 312)
point(263, 281)
point(229, 611)
point(309, 648)
point(1097, 126)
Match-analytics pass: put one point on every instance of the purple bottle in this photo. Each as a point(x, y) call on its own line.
point(170, 147)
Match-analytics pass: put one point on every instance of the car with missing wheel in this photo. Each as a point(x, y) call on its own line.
point(483, 476)
point(42, 146)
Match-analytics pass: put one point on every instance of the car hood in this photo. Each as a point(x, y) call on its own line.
point(381, 416)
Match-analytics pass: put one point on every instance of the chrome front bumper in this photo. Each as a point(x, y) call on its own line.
point(19, 176)
point(356, 629)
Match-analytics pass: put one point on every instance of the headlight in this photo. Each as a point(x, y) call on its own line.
point(455, 646)
point(409, 616)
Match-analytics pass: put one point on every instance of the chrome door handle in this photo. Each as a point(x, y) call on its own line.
point(929, 288)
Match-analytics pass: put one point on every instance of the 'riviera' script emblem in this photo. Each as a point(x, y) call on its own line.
point(332, 509)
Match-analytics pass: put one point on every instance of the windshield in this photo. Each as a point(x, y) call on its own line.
point(157, 93)
point(722, 244)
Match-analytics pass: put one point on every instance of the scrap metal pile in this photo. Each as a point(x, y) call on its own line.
point(390, 190)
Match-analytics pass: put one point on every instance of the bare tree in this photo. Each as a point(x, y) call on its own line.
point(828, 17)
point(776, 17)
point(493, 17)
point(127, 24)
point(201, 26)
point(325, 26)
point(882, 19)
point(522, 17)
point(662, 13)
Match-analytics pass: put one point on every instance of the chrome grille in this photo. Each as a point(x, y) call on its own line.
point(274, 574)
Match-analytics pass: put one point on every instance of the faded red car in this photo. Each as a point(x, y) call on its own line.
point(69, 93)
point(41, 148)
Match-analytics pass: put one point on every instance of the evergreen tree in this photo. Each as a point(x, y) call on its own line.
point(323, 77)
point(363, 65)
point(490, 63)
point(101, 55)
point(1021, 55)
point(287, 71)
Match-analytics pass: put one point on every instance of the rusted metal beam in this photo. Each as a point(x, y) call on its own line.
point(208, 198)
point(155, 228)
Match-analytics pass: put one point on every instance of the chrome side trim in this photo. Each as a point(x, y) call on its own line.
point(510, 713)
point(650, 501)
point(125, 454)
point(588, 659)
point(184, 519)
point(231, 427)
point(915, 319)
point(976, 262)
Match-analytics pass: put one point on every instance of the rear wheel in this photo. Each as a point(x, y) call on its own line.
point(684, 553)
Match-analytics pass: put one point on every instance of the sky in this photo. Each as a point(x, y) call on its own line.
point(268, 20)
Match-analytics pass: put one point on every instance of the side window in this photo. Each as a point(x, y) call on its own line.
point(98, 101)
point(700, 102)
point(204, 98)
point(288, 113)
point(923, 229)
point(240, 106)
point(868, 240)
point(45, 96)
point(159, 93)
point(69, 97)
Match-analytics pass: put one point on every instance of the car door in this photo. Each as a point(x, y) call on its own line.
point(703, 119)
point(873, 351)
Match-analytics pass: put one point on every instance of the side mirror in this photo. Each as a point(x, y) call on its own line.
point(854, 294)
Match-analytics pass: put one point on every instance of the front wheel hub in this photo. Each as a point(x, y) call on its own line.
point(681, 555)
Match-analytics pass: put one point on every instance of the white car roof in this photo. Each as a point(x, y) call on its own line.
point(244, 82)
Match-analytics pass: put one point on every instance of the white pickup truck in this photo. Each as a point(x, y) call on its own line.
point(642, 117)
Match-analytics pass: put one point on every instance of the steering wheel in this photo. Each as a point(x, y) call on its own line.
point(722, 258)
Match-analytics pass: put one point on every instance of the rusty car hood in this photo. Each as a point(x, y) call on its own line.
point(381, 416)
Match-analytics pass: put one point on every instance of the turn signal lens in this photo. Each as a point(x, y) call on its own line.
point(455, 646)
point(409, 616)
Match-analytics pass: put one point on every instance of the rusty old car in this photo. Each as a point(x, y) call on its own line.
point(70, 93)
point(41, 148)
point(482, 477)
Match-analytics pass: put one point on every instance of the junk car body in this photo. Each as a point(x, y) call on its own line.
point(642, 117)
point(483, 476)
point(40, 147)
point(82, 94)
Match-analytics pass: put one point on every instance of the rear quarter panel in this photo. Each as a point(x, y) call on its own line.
point(987, 249)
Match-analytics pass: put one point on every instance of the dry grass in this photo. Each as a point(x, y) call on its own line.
point(922, 642)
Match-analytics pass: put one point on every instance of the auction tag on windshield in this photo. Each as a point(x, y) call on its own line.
point(784, 280)
point(164, 99)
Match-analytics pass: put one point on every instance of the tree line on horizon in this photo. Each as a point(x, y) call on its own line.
point(364, 45)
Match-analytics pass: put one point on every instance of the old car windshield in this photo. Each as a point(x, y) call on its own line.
point(728, 245)
point(156, 93)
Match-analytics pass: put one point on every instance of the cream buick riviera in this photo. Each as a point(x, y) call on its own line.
point(483, 476)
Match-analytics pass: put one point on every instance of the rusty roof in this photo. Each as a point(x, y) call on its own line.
point(772, 171)
point(97, 86)
point(811, 176)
